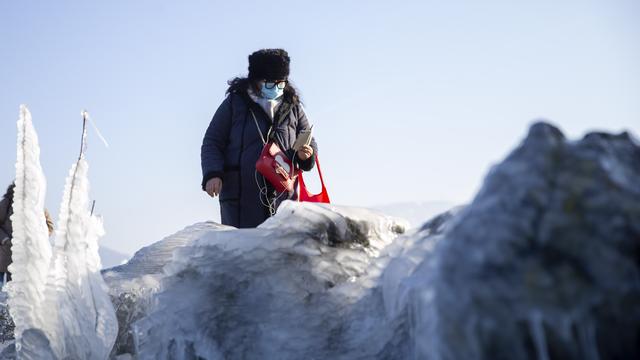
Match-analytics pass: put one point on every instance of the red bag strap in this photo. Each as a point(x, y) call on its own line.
point(304, 194)
point(320, 173)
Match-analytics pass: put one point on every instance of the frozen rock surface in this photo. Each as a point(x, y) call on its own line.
point(7, 327)
point(282, 290)
point(543, 264)
point(133, 284)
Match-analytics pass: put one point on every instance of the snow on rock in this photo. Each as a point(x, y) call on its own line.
point(542, 264)
point(30, 244)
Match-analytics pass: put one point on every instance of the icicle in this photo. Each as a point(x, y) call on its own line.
point(537, 333)
point(30, 244)
point(588, 341)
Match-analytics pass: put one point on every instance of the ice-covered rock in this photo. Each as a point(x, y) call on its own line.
point(133, 285)
point(282, 290)
point(543, 264)
point(7, 327)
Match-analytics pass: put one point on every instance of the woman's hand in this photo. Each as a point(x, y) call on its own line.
point(305, 152)
point(213, 186)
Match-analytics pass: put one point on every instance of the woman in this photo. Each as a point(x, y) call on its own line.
point(6, 231)
point(262, 107)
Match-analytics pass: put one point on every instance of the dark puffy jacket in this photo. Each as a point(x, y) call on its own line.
point(6, 228)
point(231, 147)
point(5, 233)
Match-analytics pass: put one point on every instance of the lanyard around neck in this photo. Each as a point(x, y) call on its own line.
point(264, 142)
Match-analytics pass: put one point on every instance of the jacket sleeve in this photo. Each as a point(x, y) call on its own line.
point(4, 236)
point(215, 142)
point(303, 124)
point(4, 209)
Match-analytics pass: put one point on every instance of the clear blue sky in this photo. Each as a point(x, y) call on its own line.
point(411, 101)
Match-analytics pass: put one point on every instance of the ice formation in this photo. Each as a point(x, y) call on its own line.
point(31, 247)
point(60, 304)
point(86, 326)
point(133, 285)
point(542, 264)
point(292, 281)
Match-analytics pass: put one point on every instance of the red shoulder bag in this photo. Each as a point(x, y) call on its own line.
point(278, 169)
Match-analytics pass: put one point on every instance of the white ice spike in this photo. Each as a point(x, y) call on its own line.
point(86, 326)
point(30, 244)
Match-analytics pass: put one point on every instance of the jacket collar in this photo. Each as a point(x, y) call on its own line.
point(280, 113)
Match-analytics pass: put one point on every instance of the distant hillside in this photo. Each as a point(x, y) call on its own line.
point(110, 257)
point(417, 213)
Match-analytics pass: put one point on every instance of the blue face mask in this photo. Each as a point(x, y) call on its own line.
point(272, 93)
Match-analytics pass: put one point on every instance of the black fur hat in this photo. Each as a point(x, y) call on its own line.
point(269, 64)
